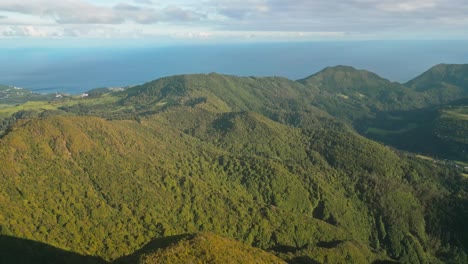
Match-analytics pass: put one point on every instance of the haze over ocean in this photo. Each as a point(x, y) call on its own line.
point(75, 70)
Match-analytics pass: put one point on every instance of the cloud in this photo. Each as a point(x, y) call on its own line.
point(69, 31)
point(145, 15)
point(235, 10)
point(63, 12)
point(193, 35)
point(175, 13)
point(82, 12)
point(23, 31)
point(353, 17)
point(402, 6)
point(144, 2)
point(97, 31)
point(398, 5)
point(127, 7)
point(138, 14)
point(338, 15)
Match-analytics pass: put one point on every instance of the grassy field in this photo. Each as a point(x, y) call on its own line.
point(37, 105)
point(425, 158)
point(386, 132)
point(7, 110)
point(456, 113)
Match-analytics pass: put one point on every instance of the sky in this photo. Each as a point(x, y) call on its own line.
point(227, 20)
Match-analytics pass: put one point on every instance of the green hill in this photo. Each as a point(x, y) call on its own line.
point(349, 83)
point(451, 127)
point(277, 98)
point(258, 160)
point(413, 117)
point(348, 79)
point(202, 248)
point(440, 75)
point(443, 82)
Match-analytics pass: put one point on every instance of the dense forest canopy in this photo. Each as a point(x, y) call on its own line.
point(340, 167)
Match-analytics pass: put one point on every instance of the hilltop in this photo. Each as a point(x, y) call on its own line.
point(200, 248)
point(454, 75)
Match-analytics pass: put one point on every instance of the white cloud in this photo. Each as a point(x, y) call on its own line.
point(82, 12)
point(253, 17)
point(63, 11)
point(192, 35)
point(406, 6)
point(178, 14)
point(24, 31)
point(144, 2)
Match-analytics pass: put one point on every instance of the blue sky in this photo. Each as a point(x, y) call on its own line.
point(227, 20)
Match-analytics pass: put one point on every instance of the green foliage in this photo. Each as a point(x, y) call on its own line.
point(100, 181)
point(440, 75)
point(11, 96)
point(258, 160)
point(208, 248)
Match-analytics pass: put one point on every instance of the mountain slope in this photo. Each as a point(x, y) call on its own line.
point(347, 79)
point(252, 159)
point(351, 94)
point(226, 93)
point(351, 83)
point(102, 181)
point(442, 74)
point(208, 248)
point(443, 83)
point(280, 99)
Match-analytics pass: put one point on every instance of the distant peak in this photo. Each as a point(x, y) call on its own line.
point(448, 67)
point(344, 75)
point(340, 68)
point(343, 69)
point(453, 74)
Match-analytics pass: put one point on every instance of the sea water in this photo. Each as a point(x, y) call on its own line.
point(77, 69)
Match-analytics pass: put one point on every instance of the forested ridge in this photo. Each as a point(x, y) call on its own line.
point(179, 168)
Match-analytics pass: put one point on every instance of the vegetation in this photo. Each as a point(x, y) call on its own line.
point(272, 163)
point(10, 95)
point(208, 248)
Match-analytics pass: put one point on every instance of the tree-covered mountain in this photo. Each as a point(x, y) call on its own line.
point(440, 75)
point(349, 81)
point(270, 162)
point(443, 82)
point(435, 128)
point(351, 94)
point(199, 248)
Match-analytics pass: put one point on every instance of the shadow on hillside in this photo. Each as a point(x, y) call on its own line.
point(155, 244)
point(24, 251)
point(385, 262)
point(303, 260)
point(416, 131)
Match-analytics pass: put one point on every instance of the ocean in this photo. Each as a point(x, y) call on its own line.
point(78, 69)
